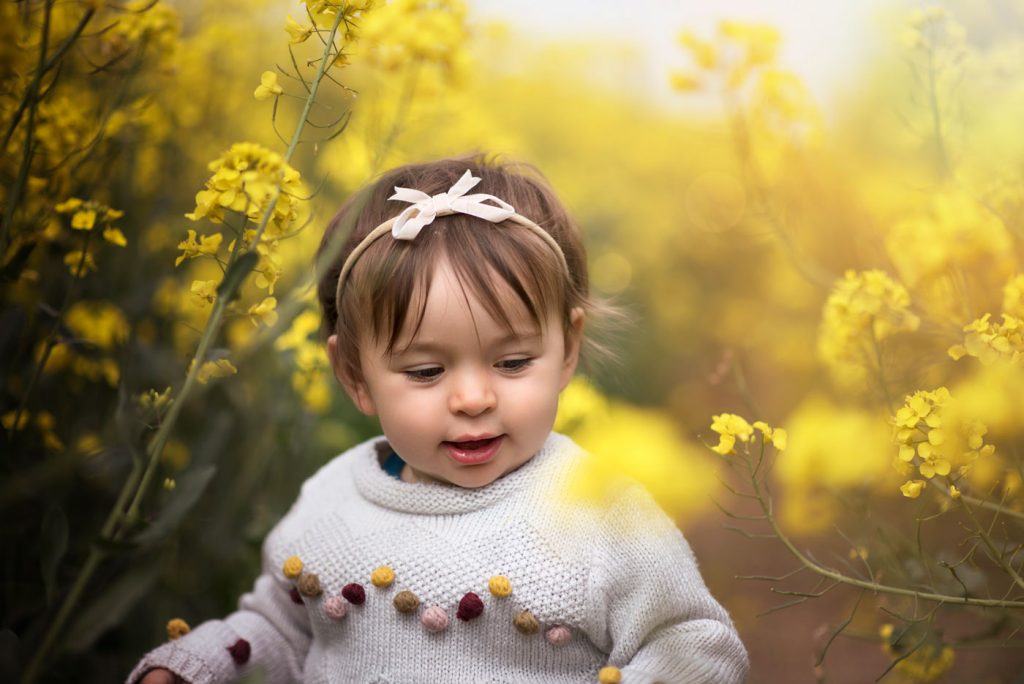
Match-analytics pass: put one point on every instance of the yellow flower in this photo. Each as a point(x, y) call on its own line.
point(79, 263)
point(114, 236)
point(8, 420)
point(990, 342)
point(265, 312)
point(101, 323)
point(912, 488)
point(268, 86)
point(730, 427)
point(298, 32)
point(83, 220)
point(204, 292)
point(208, 245)
point(863, 309)
point(220, 368)
point(777, 436)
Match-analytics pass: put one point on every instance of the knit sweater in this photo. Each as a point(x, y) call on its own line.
point(592, 585)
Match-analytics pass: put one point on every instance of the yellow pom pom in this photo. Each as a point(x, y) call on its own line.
point(500, 586)
point(292, 567)
point(382, 576)
point(177, 628)
point(609, 675)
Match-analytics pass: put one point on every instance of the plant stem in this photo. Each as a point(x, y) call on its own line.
point(137, 484)
point(766, 508)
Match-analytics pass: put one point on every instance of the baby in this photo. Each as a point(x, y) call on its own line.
point(444, 550)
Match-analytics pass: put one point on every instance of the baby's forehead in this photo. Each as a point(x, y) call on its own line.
point(449, 306)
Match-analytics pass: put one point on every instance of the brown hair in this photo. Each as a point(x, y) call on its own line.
point(392, 276)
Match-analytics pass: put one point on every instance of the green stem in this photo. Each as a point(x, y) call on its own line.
point(135, 488)
point(32, 98)
point(52, 336)
point(766, 508)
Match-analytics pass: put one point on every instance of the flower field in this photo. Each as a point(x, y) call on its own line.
point(822, 377)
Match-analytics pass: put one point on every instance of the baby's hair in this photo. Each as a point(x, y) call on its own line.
point(393, 276)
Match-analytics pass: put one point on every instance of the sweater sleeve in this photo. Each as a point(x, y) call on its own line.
point(650, 608)
point(277, 631)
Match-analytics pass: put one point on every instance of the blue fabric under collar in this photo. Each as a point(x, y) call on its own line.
point(393, 465)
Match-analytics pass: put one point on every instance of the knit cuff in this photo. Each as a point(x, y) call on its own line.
point(194, 657)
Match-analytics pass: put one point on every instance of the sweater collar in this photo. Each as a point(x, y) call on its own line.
point(442, 499)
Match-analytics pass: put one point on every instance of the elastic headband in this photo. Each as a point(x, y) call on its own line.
point(424, 209)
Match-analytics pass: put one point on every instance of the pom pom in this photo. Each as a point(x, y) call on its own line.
point(177, 628)
point(240, 651)
point(609, 675)
point(500, 586)
point(470, 607)
point(526, 623)
point(406, 601)
point(292, 567)
point(382, 576)
point(309, 585)
point(296, 598)
point(435, 619)
point(558, 635)
point(334, 608)
point(354, 593)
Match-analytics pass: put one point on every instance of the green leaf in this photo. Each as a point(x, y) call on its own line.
point(112, 605)
point(54, 542)
point(186, 493)
point(232, 282)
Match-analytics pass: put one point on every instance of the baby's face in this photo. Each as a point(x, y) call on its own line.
point(466, 402)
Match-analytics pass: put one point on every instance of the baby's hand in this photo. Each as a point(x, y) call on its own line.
point(161, 676)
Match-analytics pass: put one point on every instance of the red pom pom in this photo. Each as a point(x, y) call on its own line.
point(240, 651)
point(296, 597)
point(354, 593)
point(470, 607)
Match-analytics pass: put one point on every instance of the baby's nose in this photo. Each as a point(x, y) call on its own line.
point(472, 393)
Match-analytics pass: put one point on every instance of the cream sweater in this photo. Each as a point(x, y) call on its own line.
point(618, 579)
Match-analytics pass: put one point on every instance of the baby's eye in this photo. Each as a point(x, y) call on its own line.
point(423, 374)
point(513, 365)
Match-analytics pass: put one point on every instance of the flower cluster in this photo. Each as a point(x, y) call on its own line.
point(312, 374)
point(245, 180)
point(864, 308)
point(1013, 297)
point(934, 438)
point(86, 215)
point(990, 342)
point(408, 32)
point(731, 427)
point(97, 330)
point(144, 22)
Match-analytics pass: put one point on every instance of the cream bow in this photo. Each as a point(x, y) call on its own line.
point(425, 208)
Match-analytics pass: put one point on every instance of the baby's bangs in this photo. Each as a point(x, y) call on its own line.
point(388, 285)
point(531, 270)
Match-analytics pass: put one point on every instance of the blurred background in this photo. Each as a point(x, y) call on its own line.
point(807, 208)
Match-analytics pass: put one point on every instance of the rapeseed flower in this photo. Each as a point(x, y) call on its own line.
point(208, 245)
point(730, 427)
point(864, 308)
point(268, 86)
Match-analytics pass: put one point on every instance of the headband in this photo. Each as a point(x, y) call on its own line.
point(424, 209)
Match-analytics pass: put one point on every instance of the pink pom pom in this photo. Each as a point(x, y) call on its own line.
point(559, 635)
point(435, 619)
point(334, 608)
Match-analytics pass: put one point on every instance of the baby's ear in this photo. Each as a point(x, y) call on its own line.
point(573, 340)
point(355, 388)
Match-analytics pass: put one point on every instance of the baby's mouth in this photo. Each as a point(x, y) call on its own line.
point(475, 451)
point(473, 445)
